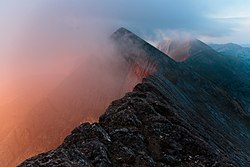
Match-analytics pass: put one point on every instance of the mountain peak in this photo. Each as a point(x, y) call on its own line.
point(122, 30)
point(133, 47)
point(119, 33)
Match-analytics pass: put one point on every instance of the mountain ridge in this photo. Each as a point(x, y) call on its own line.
point(173, 96)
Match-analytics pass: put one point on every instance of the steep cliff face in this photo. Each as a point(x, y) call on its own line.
point(175, 117)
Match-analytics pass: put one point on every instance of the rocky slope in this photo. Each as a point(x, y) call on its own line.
point(141, 129)
point(174, 118)
point(227, 67)
point(230, 73)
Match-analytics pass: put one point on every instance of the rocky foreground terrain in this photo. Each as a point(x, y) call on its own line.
point(175, 117)
point(141, 129)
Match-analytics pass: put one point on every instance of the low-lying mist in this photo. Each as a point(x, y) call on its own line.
point(176, 44)
point(59, 67)
point(56, 73)
point(47, 100)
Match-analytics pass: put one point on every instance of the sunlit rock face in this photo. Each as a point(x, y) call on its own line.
point(174, 117)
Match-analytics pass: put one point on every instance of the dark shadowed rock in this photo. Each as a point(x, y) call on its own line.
point(141, 129)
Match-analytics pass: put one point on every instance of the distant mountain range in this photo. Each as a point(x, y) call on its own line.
point(232, 50)
point(245, 45)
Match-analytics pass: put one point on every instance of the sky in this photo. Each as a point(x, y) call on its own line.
point(213, 21)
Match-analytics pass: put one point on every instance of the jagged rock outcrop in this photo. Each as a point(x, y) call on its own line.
point(174, 118)
point(141, 129)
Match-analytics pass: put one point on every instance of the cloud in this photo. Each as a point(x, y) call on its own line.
point(146, 18)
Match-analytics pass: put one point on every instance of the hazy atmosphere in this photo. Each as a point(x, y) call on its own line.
point(62, 62)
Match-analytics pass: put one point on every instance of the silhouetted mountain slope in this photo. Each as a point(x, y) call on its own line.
point(175, 117)
point(238, 58)
point(228, 72)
